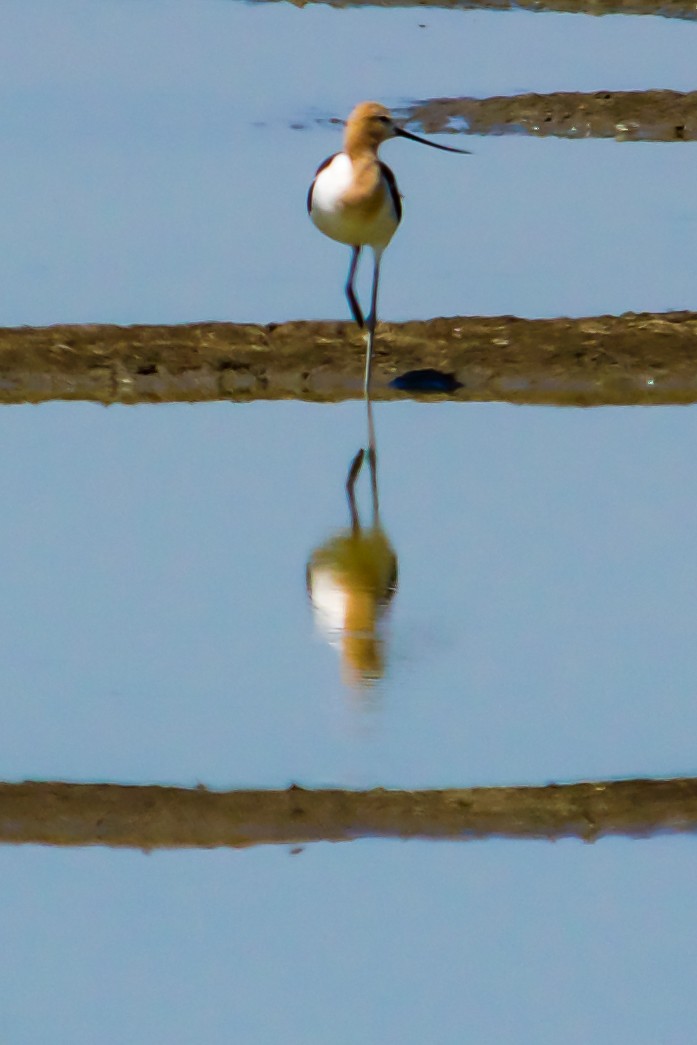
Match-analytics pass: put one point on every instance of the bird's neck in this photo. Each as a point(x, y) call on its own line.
point(359, 149)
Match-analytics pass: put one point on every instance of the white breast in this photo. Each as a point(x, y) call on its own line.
point(339, 222)
point(331, 184)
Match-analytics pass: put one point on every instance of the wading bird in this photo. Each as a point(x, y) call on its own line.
point(354, 199)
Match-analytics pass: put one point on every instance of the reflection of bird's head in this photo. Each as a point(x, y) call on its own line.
point(351, 579)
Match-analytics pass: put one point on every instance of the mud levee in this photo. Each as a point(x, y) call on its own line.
point(168, 817)
point(665, 8)
point(666, 116)
point(635, 358)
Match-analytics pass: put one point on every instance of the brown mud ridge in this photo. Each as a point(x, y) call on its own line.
point(665, 8)
point(167, 817)
point(648, 358)
point(665, 116)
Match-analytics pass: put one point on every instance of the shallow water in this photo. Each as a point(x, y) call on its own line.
point(156, 626)
point(144, 144)
point(154, 619)
point(529, 943)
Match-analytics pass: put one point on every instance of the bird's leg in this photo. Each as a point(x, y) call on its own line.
point(372, 320)
point(352, 299)
point(373, 463)
point(351, 490)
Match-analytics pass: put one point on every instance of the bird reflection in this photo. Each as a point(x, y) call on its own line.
point(352, 577)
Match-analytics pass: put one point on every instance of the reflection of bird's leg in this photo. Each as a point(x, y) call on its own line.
point(373, 462)
point(350, 294)
point(351, 490)
point(372, 320)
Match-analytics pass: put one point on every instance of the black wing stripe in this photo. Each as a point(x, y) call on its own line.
point(394, 191)
point(318, 171)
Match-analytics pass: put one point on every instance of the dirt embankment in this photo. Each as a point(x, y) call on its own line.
point(167, 817)
point(635, 358)
point(666, 116)
point(666, 8)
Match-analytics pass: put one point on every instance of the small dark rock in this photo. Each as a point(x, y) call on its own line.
point(427, 380)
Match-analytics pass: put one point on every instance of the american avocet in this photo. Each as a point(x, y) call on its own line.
point(354, 199)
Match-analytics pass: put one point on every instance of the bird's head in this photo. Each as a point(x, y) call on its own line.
point(370, 124)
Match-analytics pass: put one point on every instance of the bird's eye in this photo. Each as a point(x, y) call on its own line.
point(384, 119)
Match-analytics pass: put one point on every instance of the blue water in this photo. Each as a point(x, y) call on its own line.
point(154, 619)
point(155, 627)
point(152, 174)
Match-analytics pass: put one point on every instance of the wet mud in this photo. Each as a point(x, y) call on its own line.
point(164, 817)
point(665, 116)
point(665, 8)
point(648, 358)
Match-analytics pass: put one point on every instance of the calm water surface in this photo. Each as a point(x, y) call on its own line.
point(152, 174)
point(154, 619)
point(154, 622)
point(531, 943)
point(155, 627)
